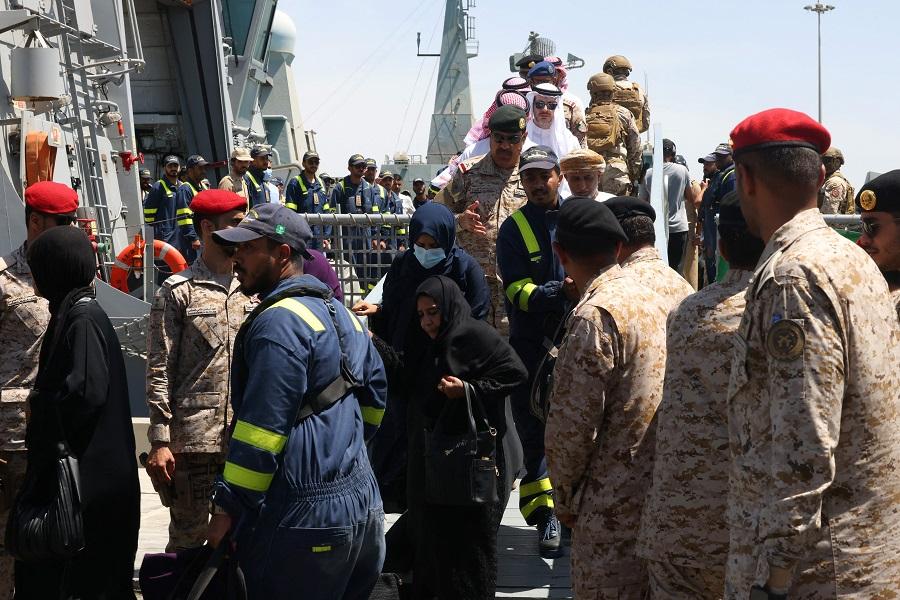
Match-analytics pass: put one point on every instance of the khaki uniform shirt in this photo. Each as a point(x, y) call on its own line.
point(234, 183)
point(838, 196)
point(814, 421)
point(499, 193)
point(599, 444)
point(684, 514)
point(189, 353)
point(646, 266)
point(23, 320)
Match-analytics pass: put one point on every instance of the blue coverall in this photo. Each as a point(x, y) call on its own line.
point(309, 514)
point(163, 212)
point(532, 279)
point(256, 190)
point(722, 183)
point(352, 199)
point(187, 235)
point(304, 197)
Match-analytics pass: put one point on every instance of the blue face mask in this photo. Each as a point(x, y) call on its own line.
point(429, 258)
point(267, 174)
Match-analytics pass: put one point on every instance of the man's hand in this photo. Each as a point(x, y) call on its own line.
point(161, 465)
point(195, 244)
point(218, 528)
point(364, 309)
point(571, 290)
point(470, 220)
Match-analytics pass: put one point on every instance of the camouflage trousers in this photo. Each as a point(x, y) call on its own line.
point(674, 582)
point(602, 571)
point(191, 490)
point(497, 316)
point(615, 177)
point(12, 474)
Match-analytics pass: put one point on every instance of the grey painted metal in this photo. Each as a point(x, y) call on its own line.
point(838, 220)
point(452, 116)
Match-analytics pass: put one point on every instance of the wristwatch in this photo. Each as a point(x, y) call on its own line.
point(763, 593)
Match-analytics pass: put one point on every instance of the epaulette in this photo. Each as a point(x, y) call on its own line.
point(178, 278)
point(467, 164)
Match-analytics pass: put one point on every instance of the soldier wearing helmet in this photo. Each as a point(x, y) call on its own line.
point(613, 133)
point(836, 195)
point(628, 94)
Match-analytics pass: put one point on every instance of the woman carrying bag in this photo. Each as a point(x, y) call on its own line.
point(461, 439)
point(80, 417)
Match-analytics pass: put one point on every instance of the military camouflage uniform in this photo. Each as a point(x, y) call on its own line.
point(814, 421)
point(599, 444)
point(623, 163)
point(499, 193)
point(190, 339)
point(644, 122)
point(646, 266)
point(683, 531)
point(23, 320)
point(838, 196)
point(575, 123)
point(895, 296)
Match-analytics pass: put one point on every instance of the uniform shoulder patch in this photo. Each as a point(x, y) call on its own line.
point(785, 340)
point(178, 278)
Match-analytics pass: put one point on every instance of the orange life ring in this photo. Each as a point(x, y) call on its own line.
point(132, 257)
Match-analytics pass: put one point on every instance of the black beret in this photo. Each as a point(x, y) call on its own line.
point(529, 60)
point(628, 206)
point(882, 194)
point(583, 222)
point(507, 119)
point(730, 210)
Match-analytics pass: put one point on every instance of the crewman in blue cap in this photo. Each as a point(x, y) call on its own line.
point(305, 193)
point(308, 390)
point(187, 241)
point(355, 195)
point(255, 175)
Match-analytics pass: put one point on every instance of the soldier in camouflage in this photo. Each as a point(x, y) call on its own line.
point(24, 318)
point(836, 195)
point(684, 536)
point(639, 257)
point(482, 194)
point(879, 204)
point(813, 416)
point(193, 323)
point(628, 94)
point(607, 384)
point(613, 133)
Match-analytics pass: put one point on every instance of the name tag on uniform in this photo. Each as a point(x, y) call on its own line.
point(201, 312)
point(359, 201)
point(21, 300)
point(315, 199)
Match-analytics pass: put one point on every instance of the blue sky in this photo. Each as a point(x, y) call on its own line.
point(708, 65)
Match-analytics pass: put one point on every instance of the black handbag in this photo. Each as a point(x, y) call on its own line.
point(46, 527)
point(461, 469)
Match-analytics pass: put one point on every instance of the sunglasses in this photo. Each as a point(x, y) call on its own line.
point(312, 161)
point(507, 139)
point(541, 104)
point(871, 228)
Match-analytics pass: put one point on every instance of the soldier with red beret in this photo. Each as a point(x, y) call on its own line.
point(193, 323)
point(812, 399)
point(24, 317)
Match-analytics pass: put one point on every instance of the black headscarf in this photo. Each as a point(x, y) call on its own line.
point(63, 265)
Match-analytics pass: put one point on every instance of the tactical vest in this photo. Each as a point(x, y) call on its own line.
point(631, 98)
point(603, 128)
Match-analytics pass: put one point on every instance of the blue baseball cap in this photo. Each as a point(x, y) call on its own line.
point(273, 221)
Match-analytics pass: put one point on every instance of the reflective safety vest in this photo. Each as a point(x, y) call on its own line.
point(520, 291)
point(150, 212)
point(304, 190)
point(184, 216)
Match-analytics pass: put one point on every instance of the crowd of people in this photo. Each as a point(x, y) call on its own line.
point(721, 425)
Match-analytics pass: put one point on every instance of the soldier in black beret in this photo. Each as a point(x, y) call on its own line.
point(879, 203)
point(629, 206)
point(526, 62)
point(588, 230)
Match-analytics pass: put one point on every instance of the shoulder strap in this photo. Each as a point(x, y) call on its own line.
point(178, 278)
point(531, 243)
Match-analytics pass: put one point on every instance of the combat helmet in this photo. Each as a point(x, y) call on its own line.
point(601, 82)
point(617, 62)
point(835, 153)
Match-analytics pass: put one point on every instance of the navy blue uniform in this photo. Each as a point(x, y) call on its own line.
point(162, 211)
point(533, 281)
point(309, 512)
point(256, 189)
point(357, 199)
point(187, 235)
point(722, 183)
point(303, 196)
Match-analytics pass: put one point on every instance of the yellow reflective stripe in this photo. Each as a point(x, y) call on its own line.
point(302, 183)
point(375, 208)
point(291, 205)
point(535, 487)
point(193, 189)
point(247, 478)
point(354, 319)
point(297, 307)
point(187, 221)
point(149, 219)
point(258, 437)
point(165, 187)
point(317, 549)
point(184, 211)
point(525, 294)
point(372, 416)
point(515, 287)
point(150, 211)
point(253, 179)
point(542, 500)
point(531, 243)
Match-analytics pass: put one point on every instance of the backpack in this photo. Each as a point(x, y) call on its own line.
point(631, 98)
point(603, 128)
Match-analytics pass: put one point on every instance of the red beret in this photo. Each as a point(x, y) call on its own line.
point(51, 198)
point(217, 202)
point(779, 127)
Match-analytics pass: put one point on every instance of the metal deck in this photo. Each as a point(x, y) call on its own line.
point(522, 572)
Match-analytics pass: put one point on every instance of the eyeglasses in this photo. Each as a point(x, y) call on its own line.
point(312, 161)
point(541, 104)
point(507, 139)
point(871, 227)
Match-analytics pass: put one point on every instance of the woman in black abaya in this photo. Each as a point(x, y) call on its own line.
point(81, 396)
point(456, 547)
